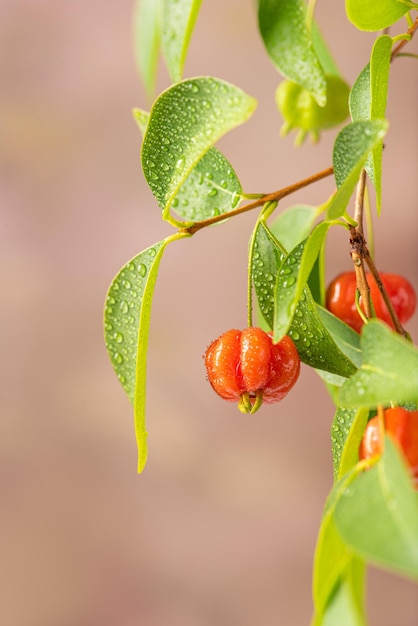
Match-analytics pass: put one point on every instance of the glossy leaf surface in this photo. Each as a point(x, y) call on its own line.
point(211, 188)
point(314, 343)
point(289, 44)
point(126, 321)
point(186, 120)
point(389, 372)
point(293, 276)
point(351, 149)
point(346, 433)
point(378, 515)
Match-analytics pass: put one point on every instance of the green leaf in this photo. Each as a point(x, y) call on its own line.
point(313, 342)
point(360, 96)
point(379, 77)
point(332, 555)
point(178, 20)
point(368, 99)
point(345, 337)
point(378, 515)
point(293, 275)
point(343, 607)
point(288, 42)
point(211, 188)
point(294, 224)
point(126, 322)
point(346, 433)
point(146, 23)
point(141, 117)
point(185, 121)
point(389, 372)
point(351, 149)
point(372, 15)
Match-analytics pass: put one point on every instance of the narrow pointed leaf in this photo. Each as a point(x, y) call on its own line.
point(314, 343)
point(346, 433)
point(126, 320)
point(186, 120)
point(178, 20)
point(146, 24)
point(211, 188)
point(379, 80)
point(293, 276)
point(351, 150)
point(288, 42)
point(378, 515)
point(372, 15)
point(389, 372)
point(332, 554)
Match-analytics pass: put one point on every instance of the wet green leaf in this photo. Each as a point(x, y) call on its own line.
point(351, 150)
point(389, 372)
point(346, 433)
point(186, 120)
point(313, 342)
point(377, 515)
point(211, 188)
point(288, 42)
point(178, 20)
point(372, 15)
point(293, 276)
point(126, 322)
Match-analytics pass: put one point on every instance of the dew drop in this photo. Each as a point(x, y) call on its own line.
point(118, 358)
point(118, 337)
point(124, 307)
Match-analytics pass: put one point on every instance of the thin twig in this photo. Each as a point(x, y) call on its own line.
point(270, 197)
point(411, 30)
point(375, 273)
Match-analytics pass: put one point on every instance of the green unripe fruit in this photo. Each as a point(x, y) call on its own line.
point(301, 111)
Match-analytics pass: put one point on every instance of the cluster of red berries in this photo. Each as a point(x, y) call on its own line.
point(402, 426)
point(246, 366)
point(341, 298)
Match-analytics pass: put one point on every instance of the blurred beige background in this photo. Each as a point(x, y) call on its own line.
point(221, 527)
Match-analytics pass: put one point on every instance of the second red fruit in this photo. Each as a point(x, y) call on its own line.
point(341, 298)
point(402, 426)
point(246, 366)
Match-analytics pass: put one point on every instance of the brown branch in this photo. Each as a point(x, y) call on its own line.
point(374, 271)
point(270, 197)
point(411, 30)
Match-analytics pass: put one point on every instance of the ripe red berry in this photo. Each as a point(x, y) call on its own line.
point(246, 366)
point(341, 298)
point(402, 426)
